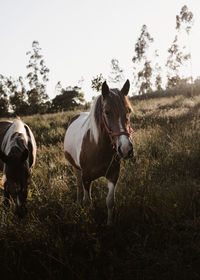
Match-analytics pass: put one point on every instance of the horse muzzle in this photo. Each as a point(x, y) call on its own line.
point(125, 152)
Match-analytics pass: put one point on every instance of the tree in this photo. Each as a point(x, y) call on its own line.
point(18, 97)
point(157, 72)
point(184, 20)
point(4, 104)
point(174, 62)
point(97, 82)
point(68, 98)
point(13, 95)
point(37, 79)
point(117, 76)
point(158, 83)
point(142, 65)
point(145, 77)
point(179, 54)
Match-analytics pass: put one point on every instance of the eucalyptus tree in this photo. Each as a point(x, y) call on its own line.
point(18, 97)
point(4, 103)
point(141, 63)
point(37, 79)
point(179, 52)
point(117, 73)
point(97, 82)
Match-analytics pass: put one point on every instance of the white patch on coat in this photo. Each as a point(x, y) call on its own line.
point(74, 137)
point(77, 130)
point(8, 143)
point(110, 201)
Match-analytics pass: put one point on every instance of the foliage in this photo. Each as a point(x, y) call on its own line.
point(18, 97)
point(178, 56)
point(37, 79)
point(185, 19)
point(3, 97)
point(174, 62)
point(141, 63)
point(13, 96)
point(145, 76)
point(157, 73)
point(68, 99)
point(116, 75)
point(97, 82)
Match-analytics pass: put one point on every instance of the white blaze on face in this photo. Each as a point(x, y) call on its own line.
point(123, 140)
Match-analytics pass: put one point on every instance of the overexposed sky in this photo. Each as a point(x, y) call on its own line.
point(80, 37)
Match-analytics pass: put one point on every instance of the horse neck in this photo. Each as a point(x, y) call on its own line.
point(104, 143)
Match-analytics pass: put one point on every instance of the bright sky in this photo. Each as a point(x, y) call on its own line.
point(80, 37)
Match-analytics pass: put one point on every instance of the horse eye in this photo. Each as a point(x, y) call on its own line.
point(107, 113)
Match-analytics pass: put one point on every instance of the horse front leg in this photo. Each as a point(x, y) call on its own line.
point(112, 177)
point(6, 201)
point(110, 202)
point(87, 198)
point(79, 185)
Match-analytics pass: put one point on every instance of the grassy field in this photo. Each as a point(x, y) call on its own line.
point(156, 231)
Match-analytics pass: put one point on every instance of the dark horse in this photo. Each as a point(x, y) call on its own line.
point(96, 141)
point(17, 158)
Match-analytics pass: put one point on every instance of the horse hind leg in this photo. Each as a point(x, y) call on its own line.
point(87, 198)
point(6, 201)
point(79, 185)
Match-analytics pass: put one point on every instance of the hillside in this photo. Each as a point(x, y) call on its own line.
point(156, 232)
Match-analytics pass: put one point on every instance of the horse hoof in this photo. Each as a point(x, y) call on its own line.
point(21, 211)
point(6, 202)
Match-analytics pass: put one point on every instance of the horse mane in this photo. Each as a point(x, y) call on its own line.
point(93, 120)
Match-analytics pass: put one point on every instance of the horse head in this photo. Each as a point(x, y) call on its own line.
point(16, 170)
point(116, 111)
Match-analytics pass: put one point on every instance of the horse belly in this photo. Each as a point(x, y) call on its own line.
point(74, 138)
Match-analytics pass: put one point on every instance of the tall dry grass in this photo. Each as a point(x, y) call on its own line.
point(156, 232)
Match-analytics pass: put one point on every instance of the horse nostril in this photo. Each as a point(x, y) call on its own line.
point(130, 153)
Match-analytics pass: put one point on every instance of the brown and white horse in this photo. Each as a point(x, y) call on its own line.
point(17, 158)
point(93, 140)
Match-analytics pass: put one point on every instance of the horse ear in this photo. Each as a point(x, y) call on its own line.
point(125, 88)
point(105, 89)
point(4, 157)
point(24, 155)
